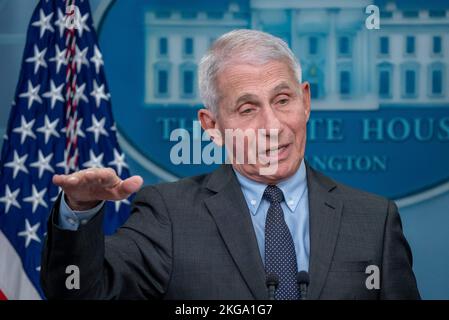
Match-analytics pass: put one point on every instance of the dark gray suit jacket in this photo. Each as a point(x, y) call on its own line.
point(193, 239)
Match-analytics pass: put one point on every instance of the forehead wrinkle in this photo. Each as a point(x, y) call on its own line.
point(268, 76)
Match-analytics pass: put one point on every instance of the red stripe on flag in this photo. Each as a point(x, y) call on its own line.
point(2, 296)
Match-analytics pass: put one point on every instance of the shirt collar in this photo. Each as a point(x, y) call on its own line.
point(293, 189)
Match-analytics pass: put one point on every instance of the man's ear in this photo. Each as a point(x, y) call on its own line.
point(305, 89)
point(209, 124)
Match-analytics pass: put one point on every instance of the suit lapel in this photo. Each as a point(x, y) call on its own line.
point(325, 216)
point(231, 214)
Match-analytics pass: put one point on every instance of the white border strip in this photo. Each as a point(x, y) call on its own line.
point(14, 282)
point(423, 196)
point(100, 11)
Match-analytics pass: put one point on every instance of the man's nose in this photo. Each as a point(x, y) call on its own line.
point(271, 120)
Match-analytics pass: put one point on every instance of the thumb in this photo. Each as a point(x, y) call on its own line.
point(129, 186)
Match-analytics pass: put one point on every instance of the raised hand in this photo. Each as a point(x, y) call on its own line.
point(84, 189)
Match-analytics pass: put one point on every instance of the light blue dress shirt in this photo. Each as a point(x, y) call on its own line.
point(70, 219)
point(295, 207)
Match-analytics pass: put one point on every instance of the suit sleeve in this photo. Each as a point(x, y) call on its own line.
point(397, 278)
point(134, 263)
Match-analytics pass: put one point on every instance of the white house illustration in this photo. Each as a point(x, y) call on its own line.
point(348, 66)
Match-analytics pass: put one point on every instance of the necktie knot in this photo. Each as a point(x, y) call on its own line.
point(273, 194)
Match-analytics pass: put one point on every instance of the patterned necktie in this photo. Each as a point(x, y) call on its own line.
point(280, 256)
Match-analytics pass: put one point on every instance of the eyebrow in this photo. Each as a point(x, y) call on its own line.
point(252, 97)
point(280, 87)
point(245, 98)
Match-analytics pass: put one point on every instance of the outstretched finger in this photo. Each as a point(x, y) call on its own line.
point(58, 179)
point(128, 186)
point(66, 181)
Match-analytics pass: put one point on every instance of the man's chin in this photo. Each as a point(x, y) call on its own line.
point(276, 171)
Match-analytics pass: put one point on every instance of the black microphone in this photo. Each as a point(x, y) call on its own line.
point(302, 278)
point(272, 282)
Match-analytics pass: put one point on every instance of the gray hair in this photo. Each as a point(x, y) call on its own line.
point(252, 46)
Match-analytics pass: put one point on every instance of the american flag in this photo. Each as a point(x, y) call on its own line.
point(60, 122)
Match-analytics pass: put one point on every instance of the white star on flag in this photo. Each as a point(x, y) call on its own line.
point(30, 233)
point(80, 58)
point(43, 163)
point(43, 23)
point(37, 198)
point(59, 58)
point(97, 59)
point(38, 59)
point(79, 132)
point(57, 195)
point(61, 22)
point(95, 161)
point(54, 94)
point(97, 128)
point(79, 94)
point(82, 24)
point(119, 202)
point(99, 93)
point(65, 164)
point(32, 94)
point(18, 164)
point(49, 128)
point(9, 199)
point(25, 129)
point(119, 161)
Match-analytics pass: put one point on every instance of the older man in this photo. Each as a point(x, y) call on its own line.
point(236, 233)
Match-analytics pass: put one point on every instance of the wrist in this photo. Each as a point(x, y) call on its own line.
point(80, 205)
